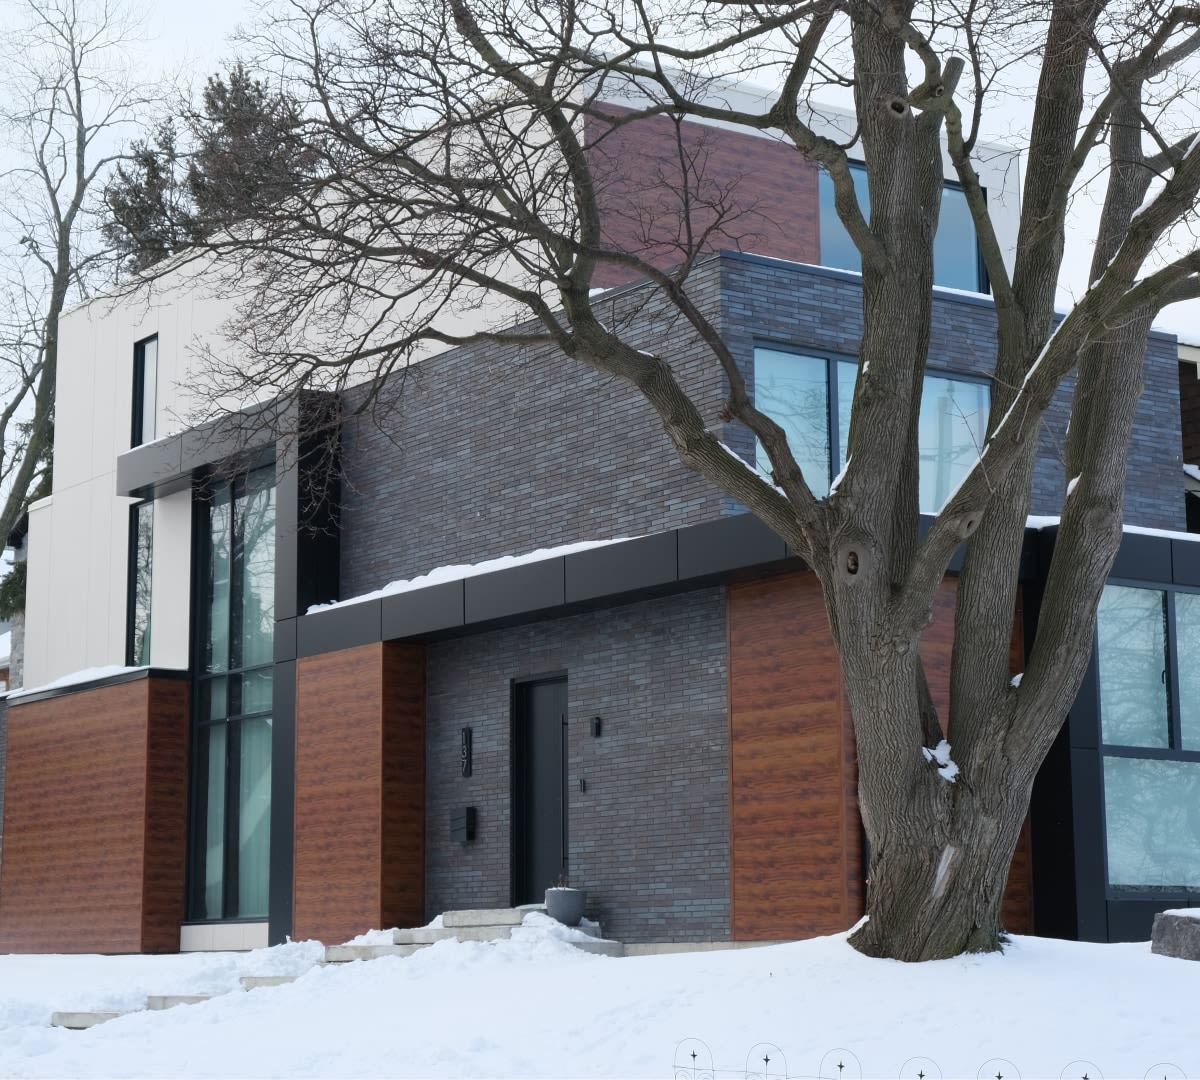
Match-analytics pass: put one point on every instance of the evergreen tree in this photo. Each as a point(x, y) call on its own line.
point(244, 155)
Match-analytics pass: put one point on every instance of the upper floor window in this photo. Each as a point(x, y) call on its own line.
point(145, 391)
point(956, 261)
point(1150, 737)
point(810, 398)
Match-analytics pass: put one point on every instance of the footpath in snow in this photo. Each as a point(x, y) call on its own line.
point(533, 1006)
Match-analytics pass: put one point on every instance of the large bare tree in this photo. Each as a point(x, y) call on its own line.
point(66, 100)
point(458, 144)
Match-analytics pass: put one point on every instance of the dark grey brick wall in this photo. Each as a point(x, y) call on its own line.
point(656, 673)
point(788, 304)
point(487, 451)
point(493, 451)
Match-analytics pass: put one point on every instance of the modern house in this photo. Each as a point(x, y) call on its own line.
point(648, 701)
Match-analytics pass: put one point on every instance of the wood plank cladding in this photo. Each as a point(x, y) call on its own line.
point(95, 823)
point(359, 849)
point(795, 833)
point(795, 848)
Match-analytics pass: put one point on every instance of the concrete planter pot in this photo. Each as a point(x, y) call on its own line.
point(566, 904)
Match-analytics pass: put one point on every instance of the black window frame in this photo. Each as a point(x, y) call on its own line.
point(982, 280)
point(131, 585)
point(1174, 750)
point(137, 432)
point(831, 357)
point(204, 491)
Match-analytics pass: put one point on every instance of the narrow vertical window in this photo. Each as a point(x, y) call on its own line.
point(141, 564)
point(145, 391)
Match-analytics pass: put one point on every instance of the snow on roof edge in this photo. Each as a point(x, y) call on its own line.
point(442, 574)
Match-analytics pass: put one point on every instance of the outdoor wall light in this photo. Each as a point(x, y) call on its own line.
point(464, 751)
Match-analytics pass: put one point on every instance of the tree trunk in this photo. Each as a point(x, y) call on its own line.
point(936, 886)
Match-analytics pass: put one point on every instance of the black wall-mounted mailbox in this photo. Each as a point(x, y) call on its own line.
point(462, 824)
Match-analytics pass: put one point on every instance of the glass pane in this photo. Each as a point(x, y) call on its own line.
point(1152, 814)
point(847, 379)
point(214, 699)
point(220, 552)
point(793, 391)
point(143, 541)
point(951, 430)
point(258, 576)
point(256, 691)
point(837, 249)
point(149, 403)
point(254, 817)
point(1187, 650)
point(955, 257)
point(1131, 635)
point(213, 815)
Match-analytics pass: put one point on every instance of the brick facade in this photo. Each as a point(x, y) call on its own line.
point(649, 838)
point(490, 451)
point(746, 192)
point(776, 302)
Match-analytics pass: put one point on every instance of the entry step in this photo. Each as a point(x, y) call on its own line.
point(427, 935)
point(461, 920)
point(345, 954)
point(81, 1021)
point(169, 1001)
point(254, 982)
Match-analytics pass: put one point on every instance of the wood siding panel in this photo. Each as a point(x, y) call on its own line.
point(403, 869)
point(95, 821)
point(795, 836)
point(795, 830)
point(357, 863)
point(163, 895)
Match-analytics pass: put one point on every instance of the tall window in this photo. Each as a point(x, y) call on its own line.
point(141, 563)
point(232, 752)
point(956, 261)
point(810, 398)
point(1150, 737)
point(145, 391)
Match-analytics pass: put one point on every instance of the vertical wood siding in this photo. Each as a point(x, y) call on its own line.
point(795, 832)
point(96, 821)
point(359, 824)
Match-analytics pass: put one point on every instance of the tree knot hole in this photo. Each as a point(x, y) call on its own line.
point(851, 563)
point(898, 105)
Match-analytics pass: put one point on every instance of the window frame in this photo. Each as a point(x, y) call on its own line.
point(137, 427)
point(831, 357)
point(983, 284)
point(131, 582)
point(233, 715)
point(1173, 752)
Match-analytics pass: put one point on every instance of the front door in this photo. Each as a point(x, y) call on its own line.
point(540, 794)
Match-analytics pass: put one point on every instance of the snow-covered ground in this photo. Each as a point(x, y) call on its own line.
point(535, 1007)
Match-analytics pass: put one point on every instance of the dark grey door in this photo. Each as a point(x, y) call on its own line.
point(539, 798)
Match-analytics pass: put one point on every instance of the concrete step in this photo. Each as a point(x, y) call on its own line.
point(169, 1001)
point(344, 954)
point(253, 982)
point(601, 947)
point(485, 917)
point(81, 1021)
point(427, 935)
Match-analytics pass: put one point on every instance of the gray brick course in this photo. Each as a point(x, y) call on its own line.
point(656, 674)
